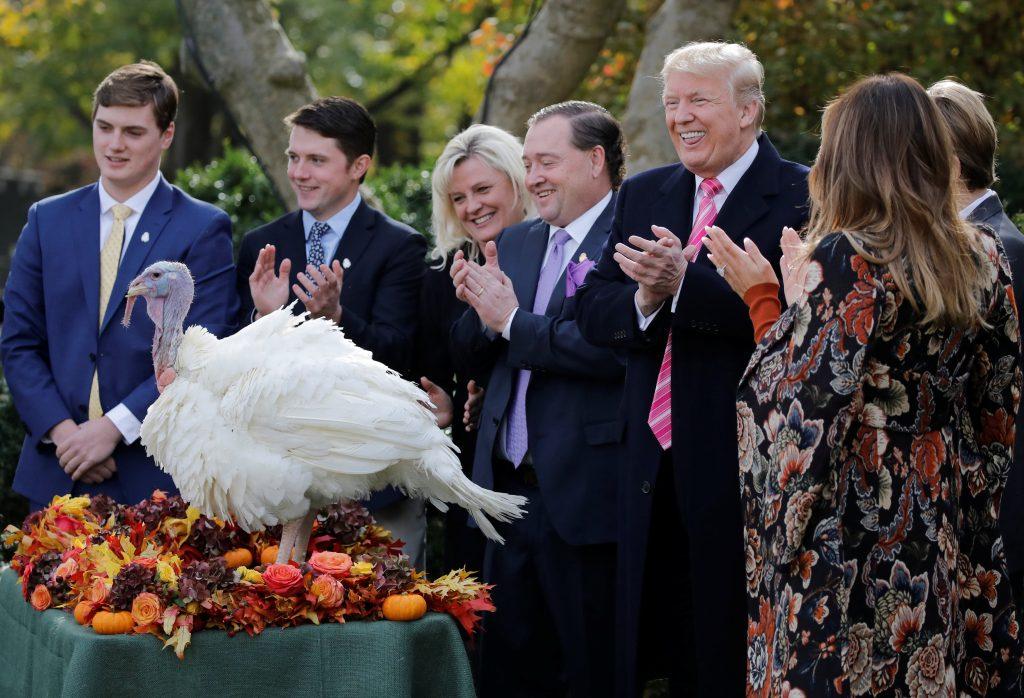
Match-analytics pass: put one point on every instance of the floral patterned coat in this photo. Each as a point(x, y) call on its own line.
point(873, 454)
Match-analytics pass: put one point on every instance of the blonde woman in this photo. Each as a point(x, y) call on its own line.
point(479, 189)
point(876, 427)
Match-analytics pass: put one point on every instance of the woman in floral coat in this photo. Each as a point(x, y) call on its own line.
point(876, 428)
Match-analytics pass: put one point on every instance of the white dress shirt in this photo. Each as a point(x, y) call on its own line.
point(728, 178)
point(967, 210)
point(120, 415)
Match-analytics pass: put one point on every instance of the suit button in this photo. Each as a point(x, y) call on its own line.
point(496, 421)
point(92, 357)
point(645, 488)
point(83, 408)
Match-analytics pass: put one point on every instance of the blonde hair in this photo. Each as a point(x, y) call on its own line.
point(497, 149)
point(705, 58)
point(972, 129)
point(885, 177)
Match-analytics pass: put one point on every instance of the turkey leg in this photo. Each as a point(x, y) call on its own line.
point(302, 538)
point(289, 532)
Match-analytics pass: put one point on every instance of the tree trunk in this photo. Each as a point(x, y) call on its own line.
point(677, 22)
point(549, 61)
point(244, 54)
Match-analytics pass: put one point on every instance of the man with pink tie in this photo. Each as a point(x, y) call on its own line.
point(689, 337)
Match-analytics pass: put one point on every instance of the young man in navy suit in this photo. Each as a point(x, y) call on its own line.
point(680, 520)
point(81, 382)
point(549, 426)
point(343, 260)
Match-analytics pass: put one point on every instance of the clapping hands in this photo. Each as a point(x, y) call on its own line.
point(485, 287)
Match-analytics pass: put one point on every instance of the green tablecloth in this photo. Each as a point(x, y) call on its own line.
point(48, 654)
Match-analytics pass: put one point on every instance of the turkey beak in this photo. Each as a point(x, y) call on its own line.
point(137, 288)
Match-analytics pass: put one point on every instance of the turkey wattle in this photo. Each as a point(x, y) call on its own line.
point(286, 416)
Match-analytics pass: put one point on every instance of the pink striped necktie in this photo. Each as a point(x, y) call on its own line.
point(660, 417)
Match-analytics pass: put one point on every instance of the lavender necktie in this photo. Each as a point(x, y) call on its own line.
point(515, 430)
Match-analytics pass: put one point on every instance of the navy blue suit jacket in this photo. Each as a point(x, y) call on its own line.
point(572, 404)
point(379, 293)
point(712, 339)
point(51, 341)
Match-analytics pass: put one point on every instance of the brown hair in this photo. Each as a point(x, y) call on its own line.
point(972, 129)
point(592, 125)
point(137, 85)
point(343, 119)
point(885, 177)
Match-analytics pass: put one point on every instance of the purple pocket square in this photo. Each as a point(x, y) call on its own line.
point(575, 273)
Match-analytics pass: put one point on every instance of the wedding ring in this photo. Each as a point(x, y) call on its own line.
point(721, 271)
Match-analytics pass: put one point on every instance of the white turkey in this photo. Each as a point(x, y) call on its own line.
point(286, 416)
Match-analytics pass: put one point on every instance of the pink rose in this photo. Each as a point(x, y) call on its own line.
point(41, 598)
point(284, 580)
point(334, 564)
point(329, 592)
point(66, 568)
point(146, 609)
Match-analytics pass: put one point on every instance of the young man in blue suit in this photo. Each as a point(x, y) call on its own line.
point(343, 260)
point(680, 519)
point(549, 427)
point(81, 382)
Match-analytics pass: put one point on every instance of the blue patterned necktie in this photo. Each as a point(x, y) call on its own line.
point(516, 442)
point(316, 243)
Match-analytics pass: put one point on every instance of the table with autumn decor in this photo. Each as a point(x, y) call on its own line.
point(92, 582)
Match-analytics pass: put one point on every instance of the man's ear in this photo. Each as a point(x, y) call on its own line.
point(167, 137)
point(597, 159)
point(359, 166)
point(749, 113)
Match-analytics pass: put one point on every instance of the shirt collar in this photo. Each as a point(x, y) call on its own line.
point(338, 222)
point(731, 175)
point(137, 202)
point(579, 228)
point(970, 208)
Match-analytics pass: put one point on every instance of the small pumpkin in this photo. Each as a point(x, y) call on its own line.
point(113, 622)
point(269, 555)
point(84, 611)
point(237, 558)
point(404, 607)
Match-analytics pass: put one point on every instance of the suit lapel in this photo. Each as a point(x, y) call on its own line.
point(748, 202)
point(674, 209)
point(357, 236)
point(292, 245)
point(87, 248)
point(152, 222)
point(527, 270)
point(592, 246)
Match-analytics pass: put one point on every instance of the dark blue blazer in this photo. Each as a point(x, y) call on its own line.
point(712, 342)
point(572, 404)
point(51, 342)
point(379, 293)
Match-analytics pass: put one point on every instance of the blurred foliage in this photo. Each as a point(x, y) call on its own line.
point(13, 507)
point(53, 53)
point(403, 192)
point(235, 183)
point(813, 49)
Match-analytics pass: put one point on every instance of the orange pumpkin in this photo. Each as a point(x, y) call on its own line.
point(113, 622)
point(404, 607)
point(269, 555)
point(84, 611)
point(237, 558)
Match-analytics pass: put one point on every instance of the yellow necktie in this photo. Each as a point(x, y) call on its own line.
point(110, 258)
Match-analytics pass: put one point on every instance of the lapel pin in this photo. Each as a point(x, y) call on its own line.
point(583, 256)
point(145, 237)
point(345, 263)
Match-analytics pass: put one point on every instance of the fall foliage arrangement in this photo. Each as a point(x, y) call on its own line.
point(159, 567)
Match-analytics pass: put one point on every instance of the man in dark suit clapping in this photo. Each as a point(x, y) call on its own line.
point(689, 338)
point(343, 260)
point(549, 427)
